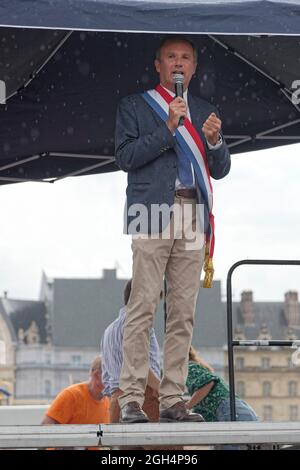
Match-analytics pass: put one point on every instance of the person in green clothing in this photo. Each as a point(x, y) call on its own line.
point(210, 394)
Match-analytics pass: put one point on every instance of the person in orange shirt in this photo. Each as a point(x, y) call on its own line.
point(81, 403)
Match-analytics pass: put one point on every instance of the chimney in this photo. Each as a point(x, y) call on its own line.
point(291, 308)
point(247, 308)
point(110, 274)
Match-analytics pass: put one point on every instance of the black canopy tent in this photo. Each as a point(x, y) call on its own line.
point(66, 63)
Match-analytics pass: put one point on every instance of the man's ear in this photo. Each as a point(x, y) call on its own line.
point(157, 65)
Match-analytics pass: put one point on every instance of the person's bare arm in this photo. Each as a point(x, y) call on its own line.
point(198, 395)
point(48, 420)
point(153, 381)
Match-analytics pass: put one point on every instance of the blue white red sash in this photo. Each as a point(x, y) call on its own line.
point(191, 144)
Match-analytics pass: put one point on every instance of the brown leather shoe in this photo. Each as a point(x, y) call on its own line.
point(179, 413)
point(133, 413)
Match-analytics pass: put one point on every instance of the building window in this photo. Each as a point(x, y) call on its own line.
point(48, 388)
point(265, 362)
point(293, 386)
point(240, 363)
point(76, 360)
point(48, 358)
point(240, 389)
point(267, 388)
point(290, 363)
point(294, 413)
point(267, 413)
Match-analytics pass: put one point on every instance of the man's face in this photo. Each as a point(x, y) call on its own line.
point(97, 378)
point(175, 57)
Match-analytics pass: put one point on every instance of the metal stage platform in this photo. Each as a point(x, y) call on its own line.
point(152, 434)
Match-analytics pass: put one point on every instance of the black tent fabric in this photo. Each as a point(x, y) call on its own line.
point(62, 86)
point(181, 16)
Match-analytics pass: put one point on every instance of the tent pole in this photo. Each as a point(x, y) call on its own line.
point(22, 180)
point(287, 93)
point(34, 74)
point(78, 172)
point(240, 56)
point(19, 162)
point(78, 155)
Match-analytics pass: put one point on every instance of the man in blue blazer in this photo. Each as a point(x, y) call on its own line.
point(161, 158)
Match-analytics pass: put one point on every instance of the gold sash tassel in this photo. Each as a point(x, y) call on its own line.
point(208, 269)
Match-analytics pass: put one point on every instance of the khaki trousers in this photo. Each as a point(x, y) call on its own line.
point(152, 258)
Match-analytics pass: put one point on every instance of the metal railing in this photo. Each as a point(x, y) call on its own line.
point(260, 343)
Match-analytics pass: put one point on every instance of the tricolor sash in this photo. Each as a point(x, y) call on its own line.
point(189, 143)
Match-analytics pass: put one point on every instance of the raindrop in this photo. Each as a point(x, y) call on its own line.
point(24, 141)
point(84, 69)
point(35, 133)
point(145, 78)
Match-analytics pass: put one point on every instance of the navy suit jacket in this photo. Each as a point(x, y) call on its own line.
point(145, 150)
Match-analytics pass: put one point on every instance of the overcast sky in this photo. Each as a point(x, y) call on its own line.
point(73, 228)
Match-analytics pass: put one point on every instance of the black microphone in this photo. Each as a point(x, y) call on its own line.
point(178, 79)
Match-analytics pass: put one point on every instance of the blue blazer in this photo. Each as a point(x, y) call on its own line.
point(144, 148)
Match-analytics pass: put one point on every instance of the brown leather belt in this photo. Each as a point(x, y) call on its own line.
point(188, 193)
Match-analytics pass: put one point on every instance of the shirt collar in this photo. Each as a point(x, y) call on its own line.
point(173, 94)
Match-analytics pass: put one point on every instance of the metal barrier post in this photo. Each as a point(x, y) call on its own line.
point(230, 342)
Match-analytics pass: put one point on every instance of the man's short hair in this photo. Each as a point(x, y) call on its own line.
point(176, 38)
point(96, 365)
point(127, 291)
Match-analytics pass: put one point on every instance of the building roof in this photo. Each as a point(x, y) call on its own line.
point(22, 313)
point(77, 311)
point(269, 317)
point(87, 306)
